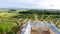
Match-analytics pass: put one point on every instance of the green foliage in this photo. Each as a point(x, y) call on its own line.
point(6, 26)
point(11, 11)
point(9, 18)
point(55, 12)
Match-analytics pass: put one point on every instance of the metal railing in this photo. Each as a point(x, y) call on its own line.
point(52, 26)
point(27, 29)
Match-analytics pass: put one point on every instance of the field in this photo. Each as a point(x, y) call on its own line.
point(12, 20)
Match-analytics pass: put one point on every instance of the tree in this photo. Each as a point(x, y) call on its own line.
point(11, 11)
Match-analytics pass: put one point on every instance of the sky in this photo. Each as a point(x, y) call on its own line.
point(32, 4)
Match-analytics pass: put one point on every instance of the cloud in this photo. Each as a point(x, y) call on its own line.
point(50, 4)
point(38, 4)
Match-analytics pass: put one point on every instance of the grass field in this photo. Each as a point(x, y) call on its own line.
point(6, 26)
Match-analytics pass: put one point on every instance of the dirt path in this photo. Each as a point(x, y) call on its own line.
point(36, 18)
point(42, 16)
point(48, 16)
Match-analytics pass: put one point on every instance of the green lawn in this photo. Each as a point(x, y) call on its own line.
point(6, 16)
point(6, 26)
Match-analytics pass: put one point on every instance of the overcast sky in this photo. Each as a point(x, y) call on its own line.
point(36, 4)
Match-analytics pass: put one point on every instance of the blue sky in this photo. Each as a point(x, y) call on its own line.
point(35, 4)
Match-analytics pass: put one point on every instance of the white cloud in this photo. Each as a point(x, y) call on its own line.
point(48, 4)
point(51, 4)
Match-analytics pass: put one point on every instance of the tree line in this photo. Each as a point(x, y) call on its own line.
point(40, 12)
